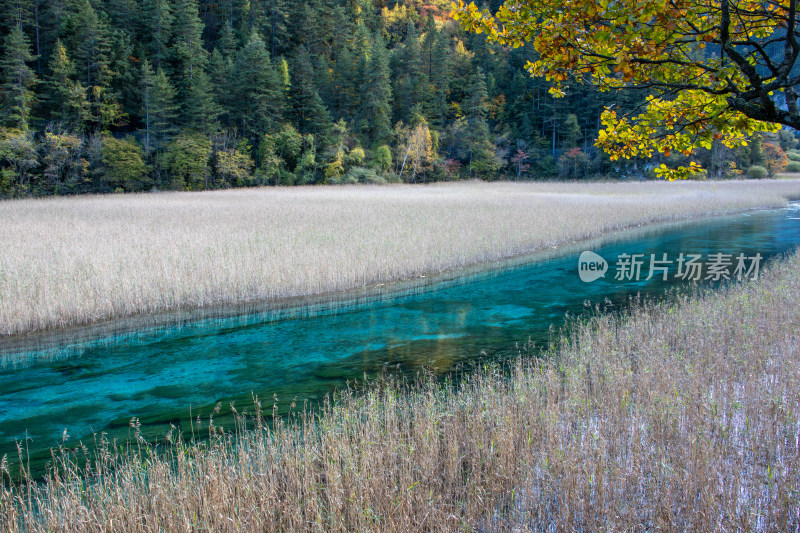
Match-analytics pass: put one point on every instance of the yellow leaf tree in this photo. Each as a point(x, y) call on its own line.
point(715, 69)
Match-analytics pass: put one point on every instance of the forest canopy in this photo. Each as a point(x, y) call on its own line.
point(127, 95)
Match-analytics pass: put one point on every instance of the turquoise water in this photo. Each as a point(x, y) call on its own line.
point(159, 374)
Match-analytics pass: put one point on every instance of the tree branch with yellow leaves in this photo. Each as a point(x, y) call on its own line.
point(716, 69)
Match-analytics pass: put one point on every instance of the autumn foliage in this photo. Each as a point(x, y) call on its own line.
point(703, 62)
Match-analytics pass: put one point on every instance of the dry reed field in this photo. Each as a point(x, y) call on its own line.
point(680, 416)
point(74, 261)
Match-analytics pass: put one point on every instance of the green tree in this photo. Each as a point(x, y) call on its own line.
point(158, 20)
point(345, 83)
point(18, 151)
point(757, 156)
point(61, 158)
point(276, 21)
point(158, 108)
point(65, 96)
point(279, 155)
point(123, 84)
point(186, 161)
point(234, 167)
point(259, 90)
point(409, 82)
point(572, 131)
point(481, 149)
point(87, 34)
point(227, 44)
point(123, 164)
point(310, 114)
point(383, 158)
point(377, 94)
point(221, 76)
point(197, 106)
point(18, 80)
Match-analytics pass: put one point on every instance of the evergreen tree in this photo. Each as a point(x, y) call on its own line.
point(87, 34)
point(476, 106)
point(201, 110)
point(276, 21)
point(158, 20)
point(438, 69)
point(482, 161)
point(18, 79)
point(346, 84)
point(312, 25)
point(165, 110)
point(124, 81)
point(259, 89)
point(220, 70)
point(311, 115)
point(147, 83)
point(158, 108)
point(324, 83)
point(429, 46)
point(122, 13)
point(66, 98)
point(227, 42)
point(572, 131)
point(409, 82)
point(377, 95)
point(17, 13)
point(197, 107)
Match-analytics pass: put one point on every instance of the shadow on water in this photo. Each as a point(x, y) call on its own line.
point(96, 379)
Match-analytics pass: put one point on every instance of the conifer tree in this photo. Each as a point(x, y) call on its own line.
point(409, 81)
point(220, 71)
point(88, 39)
point(310, 113)
point(197, 107)
point(87, 33)
point(276, 22)
point(17, 13)
point(66, 97)
point(260, 95)
point(158, 20)
point(377, 95)
point(123, 84)
point(479, 145)
point(18, 79)
point(227, 41)
point(158, 108)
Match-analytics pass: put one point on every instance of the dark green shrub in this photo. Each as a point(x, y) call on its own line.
point(757, 172)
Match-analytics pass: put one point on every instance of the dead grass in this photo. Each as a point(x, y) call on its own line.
point(74, 261)
point(682, 416)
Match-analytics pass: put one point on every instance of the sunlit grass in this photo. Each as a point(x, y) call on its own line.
point(681, 416)
point(71, 261)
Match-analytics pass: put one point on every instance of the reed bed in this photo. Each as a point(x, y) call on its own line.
point(678, 416)
point(74, 261)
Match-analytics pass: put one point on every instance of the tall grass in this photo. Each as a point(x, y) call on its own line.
point(74, 261)
point(679, 416)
